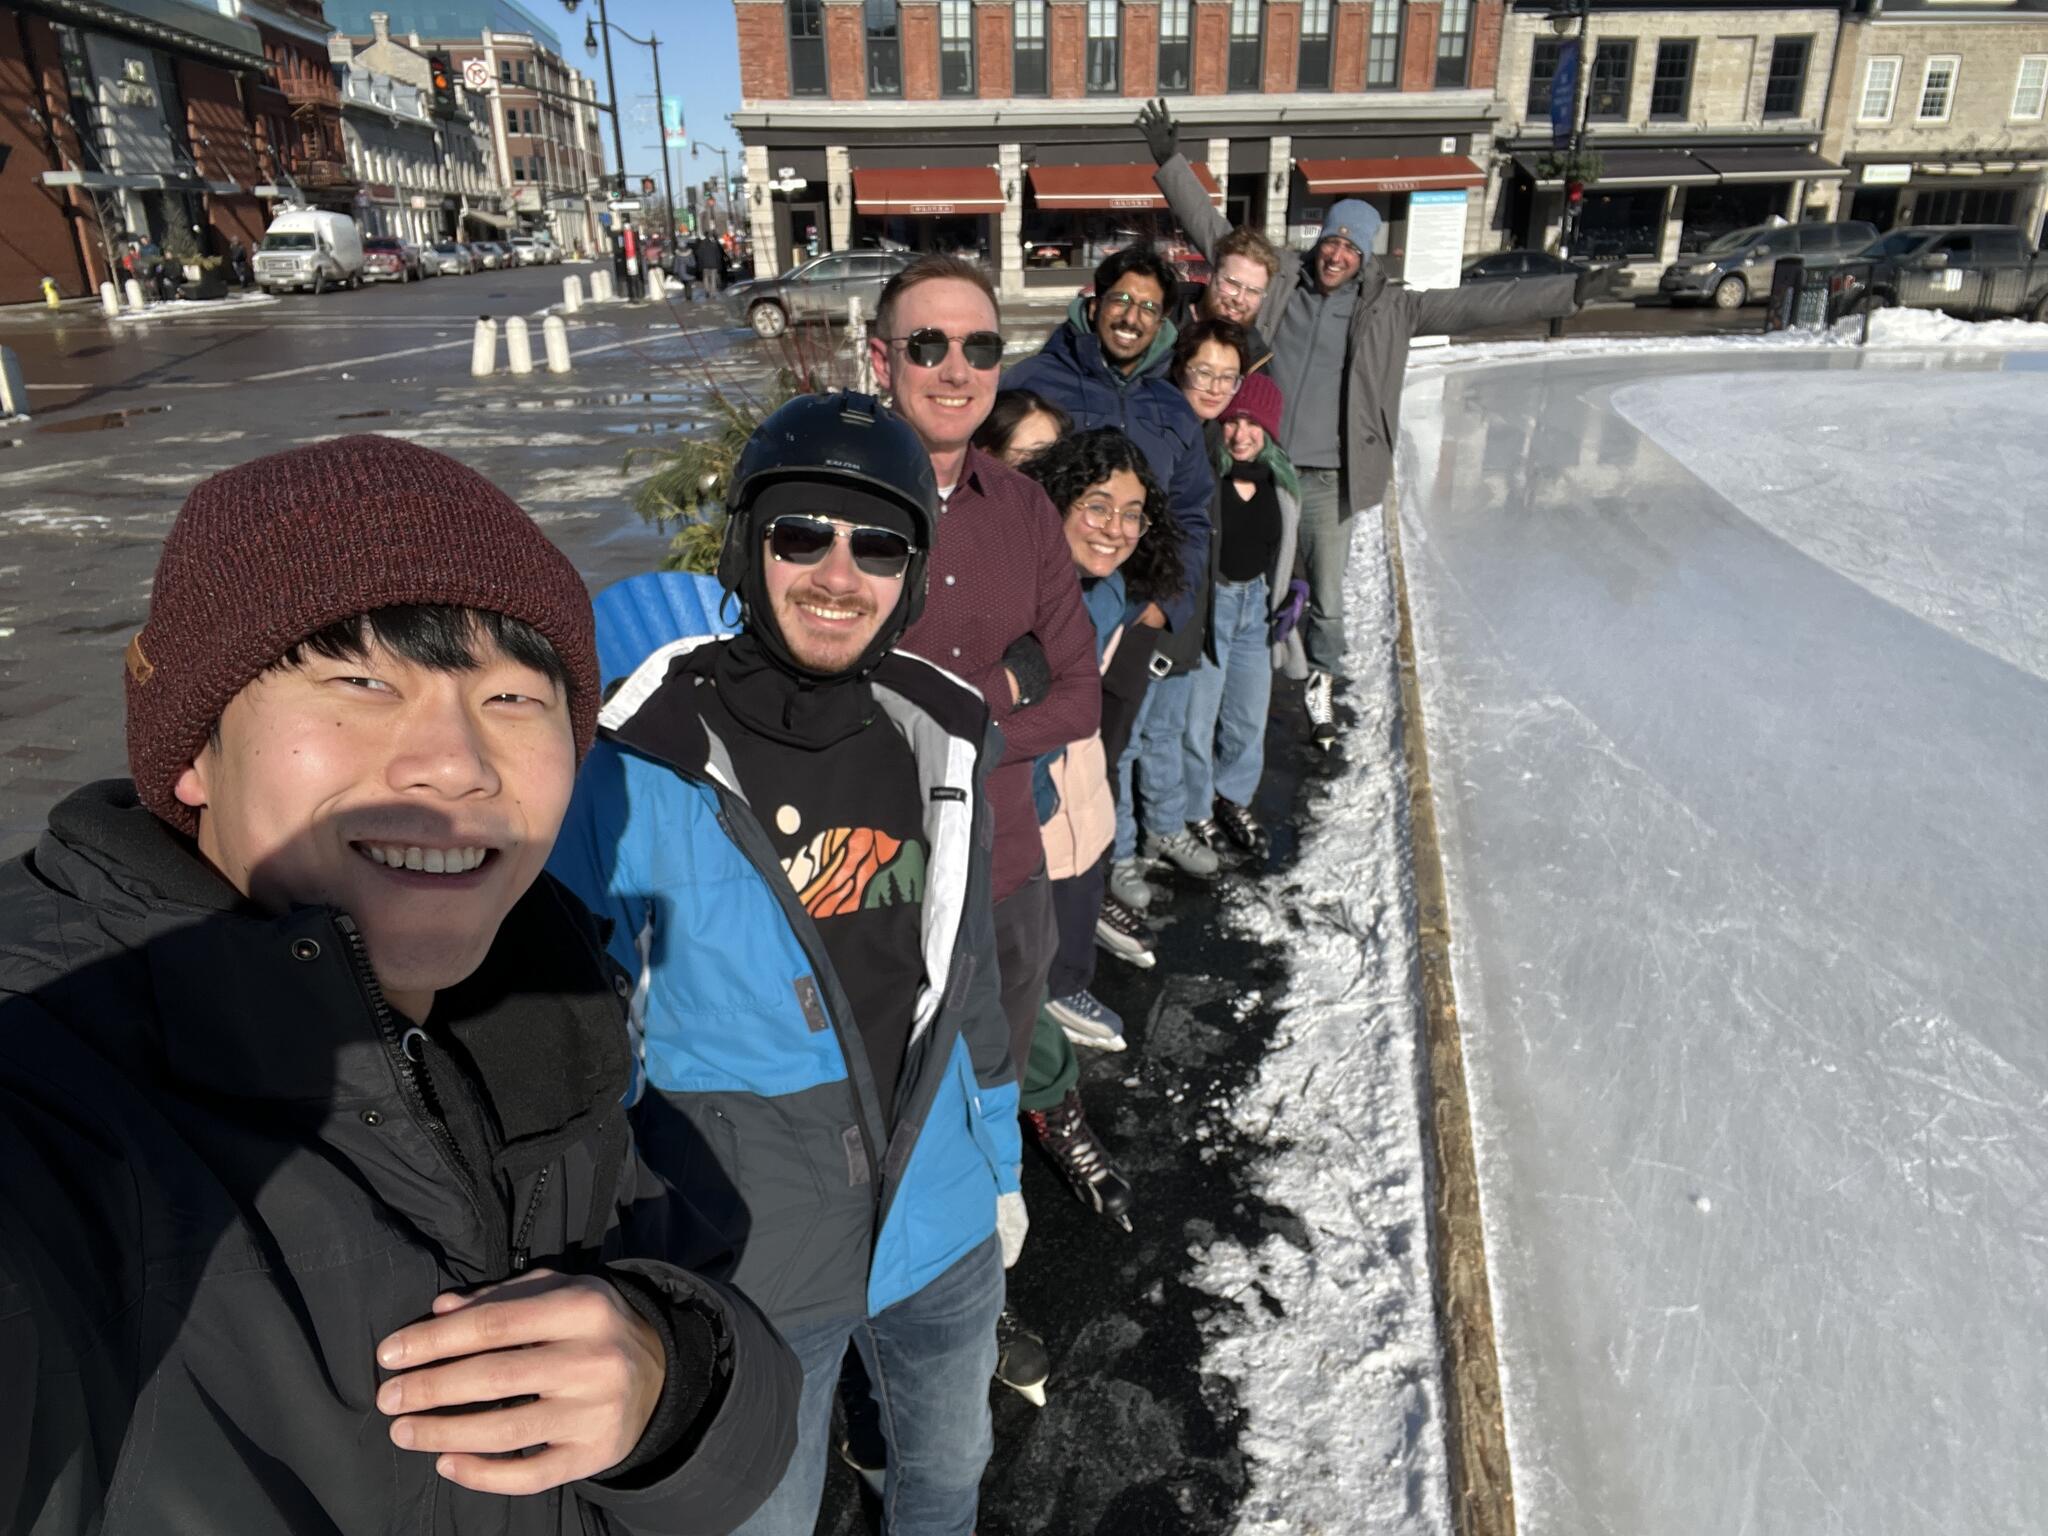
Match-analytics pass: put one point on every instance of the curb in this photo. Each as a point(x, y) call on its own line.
point(1482, 1481)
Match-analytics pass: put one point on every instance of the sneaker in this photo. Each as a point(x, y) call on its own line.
point(1184, 851)
point(1121, 930)
point(1022, 1363)
point(1128, 885)
point(1322, 709)
point(1088, 1021)
point(1236, 824)
point(1072, 1144)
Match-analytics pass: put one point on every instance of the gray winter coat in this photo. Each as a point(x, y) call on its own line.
point(1387, 317)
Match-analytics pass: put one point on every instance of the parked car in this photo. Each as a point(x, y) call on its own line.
point(446, 256)
point(550, 253)
point(525, 252)
point(310, 248)
point(814, 290)
point(418, 253)
point(1973, 271)
point(386, 260)
point(1737, 268)
point(491, 255)
point(1503, 266)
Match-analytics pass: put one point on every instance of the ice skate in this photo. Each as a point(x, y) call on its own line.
point(1071, 1142)
point(1087, 1020)
point(1022, 1363)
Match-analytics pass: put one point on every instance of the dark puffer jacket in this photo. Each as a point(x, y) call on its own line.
point(1071, 372)
point(226, 1173)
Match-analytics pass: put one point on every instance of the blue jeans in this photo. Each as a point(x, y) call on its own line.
point(1162, 807)
point(1325, 540)
point(1224, 744)
point(929, 1358)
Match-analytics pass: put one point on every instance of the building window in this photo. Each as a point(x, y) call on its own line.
point(2030, 91)
point(1880, 90)
point(885, 47)
point(504, 71)
point(1176, 47)
point(1246, 56)
point(1027, 57)
point(807, 47)
point(1383, 46)
point(1105, 47)
point(1543, 60)
point(519, 71)
point(1965, 205)
point(1671, 85)
point(1453, 44)
point(1938, 88)
point(956, 47)
point(1313, 71)
point(519, 167)
point(1785, 91)
point(1607, 94)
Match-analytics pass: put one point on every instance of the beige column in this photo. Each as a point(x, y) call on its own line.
point(769, 257)
point(1010, 222)
point(1279, 170)
point(1674, 225)
point(839, 194)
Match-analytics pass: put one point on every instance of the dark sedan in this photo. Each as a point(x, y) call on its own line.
point(1502, 266)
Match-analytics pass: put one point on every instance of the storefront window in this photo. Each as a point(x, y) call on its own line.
point(1965, 205)
point(1626, 225)
point(1713, 213)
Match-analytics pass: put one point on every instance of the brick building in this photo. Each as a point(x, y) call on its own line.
point(1006, 127)
point(120, 117)
point(1704, 120)
point(297, 108)
point(1937, 110)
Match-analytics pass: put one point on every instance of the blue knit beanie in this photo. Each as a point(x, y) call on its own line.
point(1355, 220)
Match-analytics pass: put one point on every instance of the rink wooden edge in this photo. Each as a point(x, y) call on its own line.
point(1482, 1485)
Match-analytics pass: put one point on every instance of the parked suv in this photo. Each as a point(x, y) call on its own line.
point(389, 260)
point(1975, 271)
point(815, 290)
point(1736, 269)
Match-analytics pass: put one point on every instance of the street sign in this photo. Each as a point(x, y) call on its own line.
point(625, 205)
point(476, 74)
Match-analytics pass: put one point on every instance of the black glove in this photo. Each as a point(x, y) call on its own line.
point(1162, 133)
point(1026, 660)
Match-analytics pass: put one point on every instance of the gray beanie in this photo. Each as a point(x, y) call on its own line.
point(1355, 220)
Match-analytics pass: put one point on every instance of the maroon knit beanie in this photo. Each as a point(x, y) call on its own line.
point(267, 553)
point(1257, 399)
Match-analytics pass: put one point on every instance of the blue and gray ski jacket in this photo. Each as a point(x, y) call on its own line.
point(758, 1105)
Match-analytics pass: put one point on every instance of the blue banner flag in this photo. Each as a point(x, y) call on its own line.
point(673, 133)
point(1564, 95)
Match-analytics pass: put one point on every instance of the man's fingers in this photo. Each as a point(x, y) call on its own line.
point(485, 1378)
point(498, 1322)
point(493, 1431)
point(520, 1475)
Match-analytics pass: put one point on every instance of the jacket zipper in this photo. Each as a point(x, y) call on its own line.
point(522, 1252)
point(418, 1092)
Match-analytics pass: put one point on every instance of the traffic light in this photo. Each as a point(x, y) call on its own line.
point(442, 68)
point(1575, 191)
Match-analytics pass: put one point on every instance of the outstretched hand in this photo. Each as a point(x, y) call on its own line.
point(557, 1366)
point(1162, 133)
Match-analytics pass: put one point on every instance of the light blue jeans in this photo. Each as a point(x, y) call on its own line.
point(1325, 540)
point(1224, 744)
point(929, 1359)
point(1155, 753)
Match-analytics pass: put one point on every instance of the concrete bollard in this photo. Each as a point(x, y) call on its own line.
point(657, 285)
point(555, 334)
point(483, 349)
point(518, 346)
point(13, 388)
point(134, 289)
point(110, 298)
point(572, 294)
point(601, 286)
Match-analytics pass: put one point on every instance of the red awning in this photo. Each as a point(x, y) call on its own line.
point(1407, 173)
point(1106, 186)
point(936, 190)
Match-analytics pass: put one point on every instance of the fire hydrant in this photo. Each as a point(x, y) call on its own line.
point(51, 298)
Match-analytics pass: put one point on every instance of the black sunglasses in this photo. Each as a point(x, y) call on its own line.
point(800, 540)
point(927, 348)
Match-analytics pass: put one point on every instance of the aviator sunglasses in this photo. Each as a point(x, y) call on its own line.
point(799, 540)
point(927, 348)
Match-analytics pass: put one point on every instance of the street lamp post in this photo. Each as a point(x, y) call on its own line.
point(653, 44)
point(1562, 21)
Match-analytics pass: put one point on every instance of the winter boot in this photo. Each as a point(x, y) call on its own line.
point(1239, 828)
point(1022, 1363)
point(1319, 698)
point(1128, 885)
point(1121, 930)
point(1071, 1142)
point(1088, 1020)
point(1184, 851)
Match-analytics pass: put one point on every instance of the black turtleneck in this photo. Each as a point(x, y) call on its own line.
point(834, 784)
point(1249, 530)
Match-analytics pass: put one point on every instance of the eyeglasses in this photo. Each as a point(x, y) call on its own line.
point(1210, 382)
point(799, 540)
point(1102, 514)
point(1243, 290)
point(927, 347)
point(1150, 308)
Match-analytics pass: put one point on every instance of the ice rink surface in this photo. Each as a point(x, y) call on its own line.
point(1735, 676)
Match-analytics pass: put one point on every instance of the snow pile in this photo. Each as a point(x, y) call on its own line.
point(1931, 328)
point(1332, 1348)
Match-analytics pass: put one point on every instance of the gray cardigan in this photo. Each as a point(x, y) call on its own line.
point(1387, 317)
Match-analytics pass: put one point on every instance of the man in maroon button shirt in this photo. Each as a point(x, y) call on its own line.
point(1000, 570)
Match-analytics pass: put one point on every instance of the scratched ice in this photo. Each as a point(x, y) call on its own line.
point(1734, 676)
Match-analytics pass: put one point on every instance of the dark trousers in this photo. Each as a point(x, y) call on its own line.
point(1124, 685)
point(1025, 939)
point(1075, 905)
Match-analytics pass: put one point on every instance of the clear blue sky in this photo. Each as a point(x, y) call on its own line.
point(699, 63)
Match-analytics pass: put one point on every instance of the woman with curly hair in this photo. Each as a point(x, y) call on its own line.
point(1126, 548)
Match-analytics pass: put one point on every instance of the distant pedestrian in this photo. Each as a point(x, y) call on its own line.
point(710, 264)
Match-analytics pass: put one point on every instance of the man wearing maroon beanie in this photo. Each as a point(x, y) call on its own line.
point(317, 1196)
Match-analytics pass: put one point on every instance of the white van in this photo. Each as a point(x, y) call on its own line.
point(310, 248)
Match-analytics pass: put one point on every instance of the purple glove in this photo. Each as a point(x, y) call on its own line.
point(1287, 616)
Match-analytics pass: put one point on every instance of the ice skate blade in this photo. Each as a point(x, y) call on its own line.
point(1032, 1393)
point(1123, 1221)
